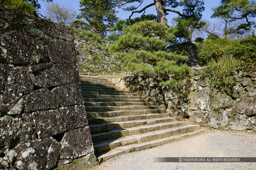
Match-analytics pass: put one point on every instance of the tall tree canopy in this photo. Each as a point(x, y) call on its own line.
point(232, 10)
point(98, 14)
point(189, 8)
point(36, 4)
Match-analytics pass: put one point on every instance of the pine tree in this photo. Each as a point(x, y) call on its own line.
point(183, 8)
point(142, 49)
point(232, 10)
point(98, 14)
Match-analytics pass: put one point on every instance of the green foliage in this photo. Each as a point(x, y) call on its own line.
point(215, 49)
point(98, 14)
point(243, 49)
point(232, 10)
point(184, 8)
point(79, 24)
point(189, 19)
point(27, 6)
point(142, 49)
point(223, 57)
point(20, 5)
point(247, 50)
point(186, 24)
point(36, 4)
point(94, 56)
point(117, 30)
point(90, 35)
point(121, 24)
point(222, 73)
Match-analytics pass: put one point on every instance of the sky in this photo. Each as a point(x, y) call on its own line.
point(74, 5)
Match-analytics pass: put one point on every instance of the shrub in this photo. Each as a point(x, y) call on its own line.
point(222, 73)
point(243, 50)
point(215, 49)
point(20, 5)
point(142, 49)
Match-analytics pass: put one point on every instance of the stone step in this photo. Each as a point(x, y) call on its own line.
point(96, 92)
point(85, 80)
point(111, 100)
point(91, 79)
point(121, 122)
point(106, 84)
point(108, 96)
point(100, 120)
point(103, 127)
point(145, 129)
point(124, 112)
point(99, 87)
point(115, 108)
point(119, 103)
point(93, 91)
point(120, 148)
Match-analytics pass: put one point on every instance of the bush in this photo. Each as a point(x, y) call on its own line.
point(20, 5)
point(243, 50)
point(222, 73)
point(142, 49)
point(211, 49)
point(223, 57)
point(246, 51)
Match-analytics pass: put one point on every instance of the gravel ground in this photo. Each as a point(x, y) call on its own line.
point(213, 143)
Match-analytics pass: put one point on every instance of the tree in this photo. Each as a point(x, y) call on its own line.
point(232, 10)
point(189, 15)
point(117, 30)
point(142, 49)
point(190, 8)
point(36, 4)
point(98, 14)
point(60, 14)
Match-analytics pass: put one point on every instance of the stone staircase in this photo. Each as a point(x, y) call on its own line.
point(121, 122)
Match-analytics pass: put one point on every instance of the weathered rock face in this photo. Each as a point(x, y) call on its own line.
point(202, 104)
point(169, 98)
point(94, 57)
point(235, 111)
point(43, 121)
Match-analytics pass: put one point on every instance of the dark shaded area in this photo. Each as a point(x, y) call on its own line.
point(58, 137)
point(90, 92)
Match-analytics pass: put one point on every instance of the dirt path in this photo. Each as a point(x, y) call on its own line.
point(210, 144)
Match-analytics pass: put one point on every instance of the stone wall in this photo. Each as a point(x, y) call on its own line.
point(217, 109)
point(94, 57)
point(174, 100)
point(43, 122)
point(197, 101)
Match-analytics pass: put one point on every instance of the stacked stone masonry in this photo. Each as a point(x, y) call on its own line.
point(217, 109)
point(199, 102)
point(43, 121)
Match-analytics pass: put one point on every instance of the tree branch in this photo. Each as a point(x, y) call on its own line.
point(139, 5)
point(140, 11)
point(174, 11)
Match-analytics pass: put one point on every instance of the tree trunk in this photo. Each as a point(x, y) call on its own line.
point(160, 11)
